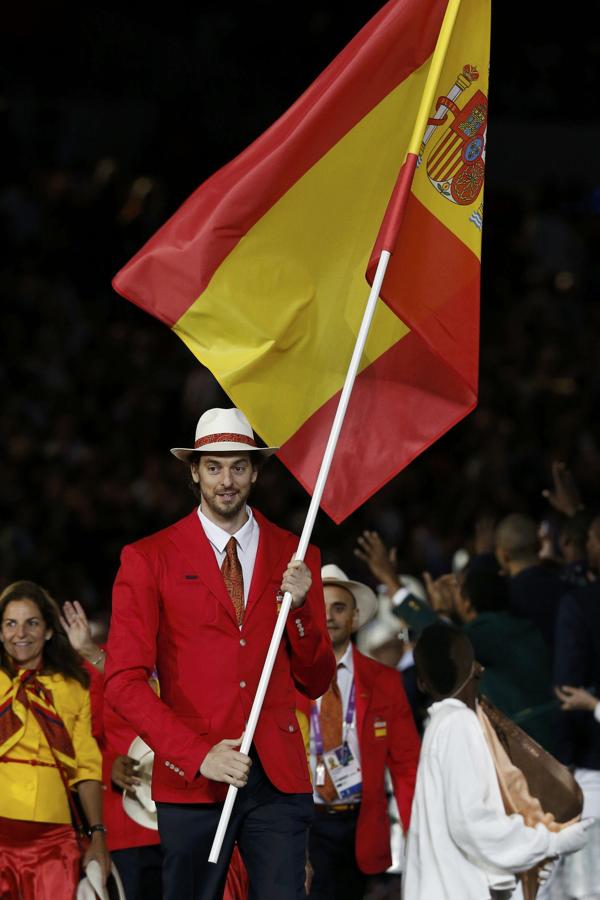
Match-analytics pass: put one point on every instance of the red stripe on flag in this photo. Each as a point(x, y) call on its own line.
point(413, 393)
point(432, 284)
point(394, 214)
point(174, 267)
point(400, 405)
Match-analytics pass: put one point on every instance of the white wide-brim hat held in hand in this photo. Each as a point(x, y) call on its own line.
point(91, 888)
point(138, 803)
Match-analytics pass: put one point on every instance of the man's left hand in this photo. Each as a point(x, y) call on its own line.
point(297, 580)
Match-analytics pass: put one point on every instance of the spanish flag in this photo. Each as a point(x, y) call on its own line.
point(263, 270)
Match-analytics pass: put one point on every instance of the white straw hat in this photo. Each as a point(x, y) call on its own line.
point(366, 601)
point(223, 431)
point(91, 888)
point(138, 803)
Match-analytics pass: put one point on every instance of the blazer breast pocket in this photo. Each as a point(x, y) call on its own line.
point(189, 601)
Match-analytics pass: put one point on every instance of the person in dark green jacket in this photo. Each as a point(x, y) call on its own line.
point(517, 675)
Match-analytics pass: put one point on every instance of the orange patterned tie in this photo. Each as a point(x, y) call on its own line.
point(331, 731)
point(234, 578)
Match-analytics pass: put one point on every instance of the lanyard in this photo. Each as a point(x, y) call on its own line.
point(315, 721)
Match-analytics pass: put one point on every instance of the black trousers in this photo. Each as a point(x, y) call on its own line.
point(271, 831)
point(331, 846)
point(140, 869)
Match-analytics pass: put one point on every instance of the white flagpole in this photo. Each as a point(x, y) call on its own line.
point(304, 540)
point(427, 101)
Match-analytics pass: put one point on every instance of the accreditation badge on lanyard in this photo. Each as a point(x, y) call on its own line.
point(344, 769)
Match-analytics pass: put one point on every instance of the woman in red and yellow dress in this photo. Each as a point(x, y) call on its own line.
point(46, 749)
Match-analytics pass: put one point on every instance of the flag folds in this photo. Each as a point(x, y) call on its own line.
point(261, 272)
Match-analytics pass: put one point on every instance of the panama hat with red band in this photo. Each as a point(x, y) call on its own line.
point(223, 431)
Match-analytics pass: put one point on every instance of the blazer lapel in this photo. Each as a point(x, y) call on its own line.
point(190, 539)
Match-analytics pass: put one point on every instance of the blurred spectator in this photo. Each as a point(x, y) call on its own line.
point(577, 665)
point(572, 541)
point(577, 662)
point(517, 675)
point(534, 589)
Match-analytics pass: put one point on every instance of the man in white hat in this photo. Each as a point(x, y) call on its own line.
point(199, 600)
point(362, 725)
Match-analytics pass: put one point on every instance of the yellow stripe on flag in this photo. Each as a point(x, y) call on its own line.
point(294, 329)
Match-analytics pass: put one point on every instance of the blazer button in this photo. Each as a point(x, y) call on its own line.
point(242, 642)
point(242, 684)
point(290, 727)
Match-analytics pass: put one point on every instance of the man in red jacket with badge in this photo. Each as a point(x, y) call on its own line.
point(362, 725)
point(199, 600)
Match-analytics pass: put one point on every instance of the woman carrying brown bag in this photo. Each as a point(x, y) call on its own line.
point(46, 750)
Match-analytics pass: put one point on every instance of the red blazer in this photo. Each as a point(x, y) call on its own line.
point(387, 737)
point(114, 736)
point(171, 609)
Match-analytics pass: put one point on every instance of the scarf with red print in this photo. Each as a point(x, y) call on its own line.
point(26, 695)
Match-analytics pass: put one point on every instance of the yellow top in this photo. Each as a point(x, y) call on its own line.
point(36, 793)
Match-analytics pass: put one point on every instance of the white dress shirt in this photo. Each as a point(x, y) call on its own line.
point(345, 679)
point(461, 842)
point(247, 544)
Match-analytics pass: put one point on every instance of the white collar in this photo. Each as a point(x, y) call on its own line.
point(219, 538)
point(347, 659)
point(407, 660)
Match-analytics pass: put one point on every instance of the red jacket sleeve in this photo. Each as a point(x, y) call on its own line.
point(131, 659)
point(312, 659)
point(404, 748)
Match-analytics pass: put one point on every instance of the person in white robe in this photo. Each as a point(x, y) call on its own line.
point(461, 843)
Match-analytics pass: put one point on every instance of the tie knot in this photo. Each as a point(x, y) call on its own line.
point(231, 548)
point(334, 687)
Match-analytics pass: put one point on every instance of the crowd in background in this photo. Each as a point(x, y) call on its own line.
point(95, 391)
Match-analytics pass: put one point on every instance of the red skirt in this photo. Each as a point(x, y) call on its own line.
point(38, 861)
point(236, 887)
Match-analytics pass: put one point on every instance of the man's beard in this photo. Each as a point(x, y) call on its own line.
point(225, 512)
